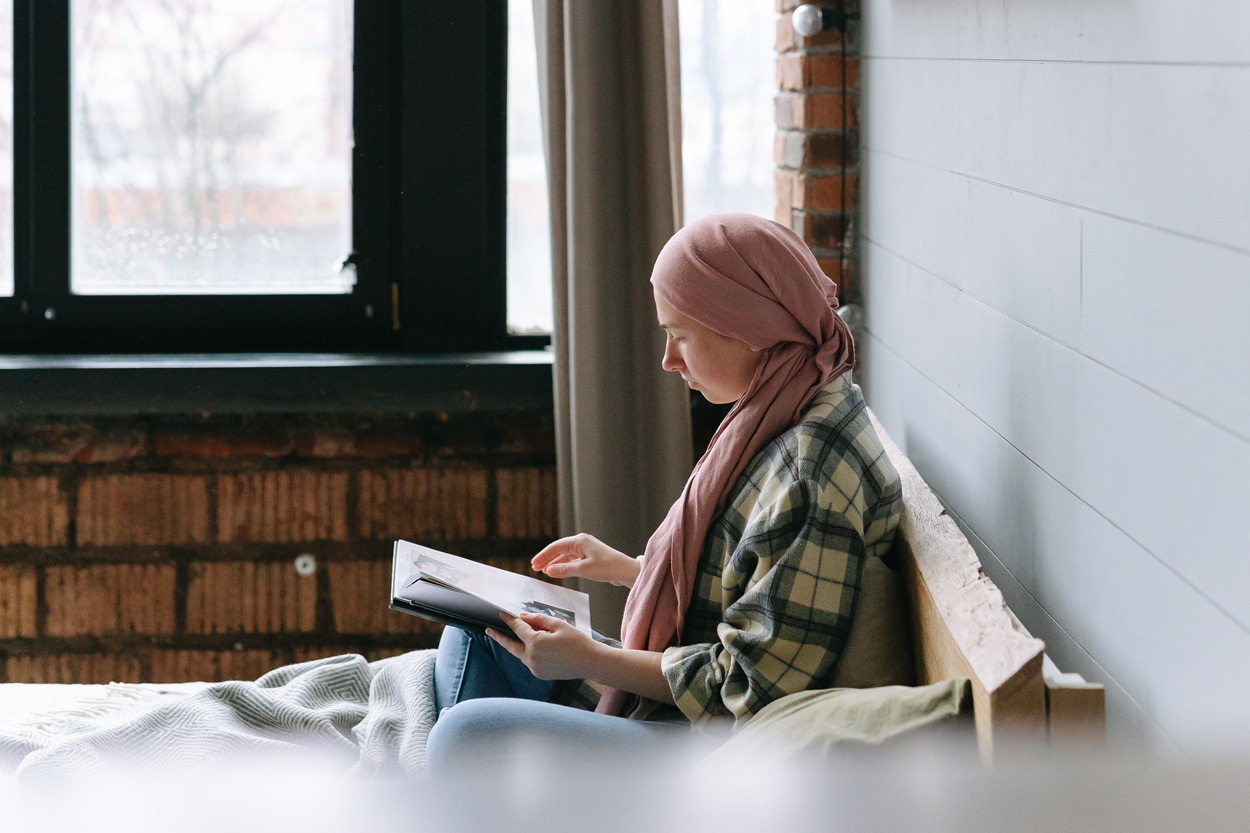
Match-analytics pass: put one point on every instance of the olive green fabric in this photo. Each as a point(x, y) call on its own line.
point(878, 649)
point(813, 722)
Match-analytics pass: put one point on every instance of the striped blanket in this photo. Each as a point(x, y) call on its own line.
point(360, 718)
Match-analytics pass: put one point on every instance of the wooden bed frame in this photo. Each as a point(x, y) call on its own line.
point(962, 627)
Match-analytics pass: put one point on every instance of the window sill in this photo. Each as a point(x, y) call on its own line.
point(274, 383)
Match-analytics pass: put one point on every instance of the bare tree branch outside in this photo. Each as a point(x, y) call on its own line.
point(212, 146)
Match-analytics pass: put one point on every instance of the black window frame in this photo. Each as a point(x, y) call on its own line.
point(429, 205)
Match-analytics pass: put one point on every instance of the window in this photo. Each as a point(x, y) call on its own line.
point(727, 88)
point(529, 223)
point(6, 148)
point(255, 175)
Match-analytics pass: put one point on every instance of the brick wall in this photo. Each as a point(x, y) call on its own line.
point(164, 548)
point(814, 149)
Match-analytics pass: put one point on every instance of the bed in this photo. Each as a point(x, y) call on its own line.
point(372, 719)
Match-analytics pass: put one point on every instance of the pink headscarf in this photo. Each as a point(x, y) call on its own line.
point(754, 280)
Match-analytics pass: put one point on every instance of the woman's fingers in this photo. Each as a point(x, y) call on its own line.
point(564, 568)
point(553, 553)
point(509, 644)
point(527, 624)
point(535, 622)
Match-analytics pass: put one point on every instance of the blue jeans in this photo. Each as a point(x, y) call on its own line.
point(472, 665)
point(489, 702)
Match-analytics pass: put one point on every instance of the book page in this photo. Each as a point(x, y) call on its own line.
point(508, 591)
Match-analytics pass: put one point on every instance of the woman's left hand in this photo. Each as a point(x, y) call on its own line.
point(551, 648)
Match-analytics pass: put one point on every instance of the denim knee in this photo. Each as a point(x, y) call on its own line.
point(462, 732)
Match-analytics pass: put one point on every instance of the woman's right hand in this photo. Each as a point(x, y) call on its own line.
point(585, 556)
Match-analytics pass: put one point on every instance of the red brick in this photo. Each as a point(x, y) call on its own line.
point(33, 511)
point(832, 266)
point(819, 230)
point(248, 597)
point(814, 192)
point(18, 598)
point(359, 593)
point(795, 111)
point(526, 503)
point(344, 443)
point(90, 669)
point(785, 183)
point(826, 150)
point(424, 641)
point(788, 149)
point(222, 443)
point(142, 509)
point(282, 506)
point(210, 666)
point(423, 504)
point(798, 149)
point(798, 71)
point(108, 599)
point(78, 443)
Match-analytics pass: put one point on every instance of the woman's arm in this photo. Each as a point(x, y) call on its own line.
point(796, 567)
point(555, 650)
point(585, 556)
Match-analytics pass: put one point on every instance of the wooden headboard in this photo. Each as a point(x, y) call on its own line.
point(962, 627)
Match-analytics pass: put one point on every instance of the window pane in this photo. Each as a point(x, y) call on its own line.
point(529, 227)
point(728, 81)
point(211, 146)
point(6, 147)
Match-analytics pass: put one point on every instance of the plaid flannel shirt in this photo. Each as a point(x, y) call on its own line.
point(778, 579)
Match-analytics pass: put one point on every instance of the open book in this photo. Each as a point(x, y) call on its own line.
point(470, 595)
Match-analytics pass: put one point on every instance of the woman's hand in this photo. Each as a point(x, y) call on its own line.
point(551, 648)
point(585, 556)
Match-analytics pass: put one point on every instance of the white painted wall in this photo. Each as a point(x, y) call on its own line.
point(1056, 271)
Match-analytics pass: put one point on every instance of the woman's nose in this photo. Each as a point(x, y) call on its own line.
point(670, 361)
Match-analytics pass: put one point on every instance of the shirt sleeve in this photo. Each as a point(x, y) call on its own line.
point(798, 566)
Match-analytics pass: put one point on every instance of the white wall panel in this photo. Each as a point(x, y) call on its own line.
point(1149, 630)
point(1018, 253)
point(1165, 146)
point(917, 212)
point(924, 127)
point(921, 311)
point(910, 27)
point(1021, 254)
point(1129, 728)
point(1171, 313)
point(1060, 30)
point(1169, 479)
point(1055, 286)
point(1213, 31)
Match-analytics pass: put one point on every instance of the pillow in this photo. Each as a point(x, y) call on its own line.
point(812, 722)
point(878, 648)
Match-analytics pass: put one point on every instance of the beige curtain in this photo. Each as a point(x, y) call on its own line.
point(608, 74)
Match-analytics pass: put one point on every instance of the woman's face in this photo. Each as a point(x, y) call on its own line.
point(717, 366)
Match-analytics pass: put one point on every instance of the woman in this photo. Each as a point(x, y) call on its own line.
point(748, 590)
